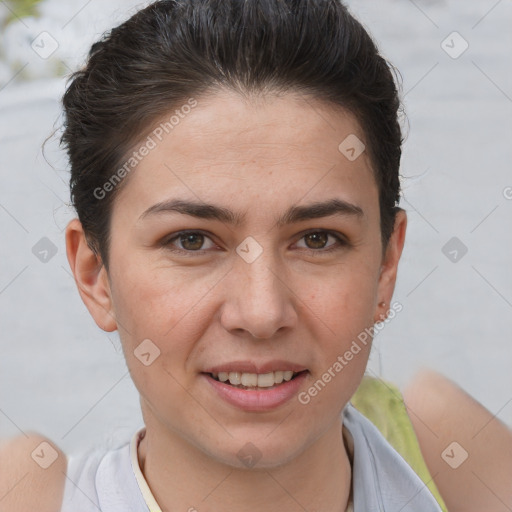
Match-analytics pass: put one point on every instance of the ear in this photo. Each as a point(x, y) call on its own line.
point(90, 276)
point(389, 266)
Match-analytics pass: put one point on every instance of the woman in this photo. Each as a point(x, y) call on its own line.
point(234, 167)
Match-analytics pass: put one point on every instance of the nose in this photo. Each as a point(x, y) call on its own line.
point(259, 300)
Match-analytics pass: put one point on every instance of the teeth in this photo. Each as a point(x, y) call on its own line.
point(266, 380)
point(235, 378)
point(249, 379)
point(287, 375)
point(253, 380)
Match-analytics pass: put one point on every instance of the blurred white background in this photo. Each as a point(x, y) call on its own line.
point(62, 376)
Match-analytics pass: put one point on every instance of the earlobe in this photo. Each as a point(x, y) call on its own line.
point(90, 276)
point(389, 266)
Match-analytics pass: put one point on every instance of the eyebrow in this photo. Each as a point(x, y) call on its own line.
point(293, 215)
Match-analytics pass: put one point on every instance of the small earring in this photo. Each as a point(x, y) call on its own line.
point(384, 315)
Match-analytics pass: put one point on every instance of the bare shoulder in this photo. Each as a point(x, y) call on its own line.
point(32, 474)
point(467, 449)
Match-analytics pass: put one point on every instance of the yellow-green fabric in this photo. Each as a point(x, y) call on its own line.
point(382, 403)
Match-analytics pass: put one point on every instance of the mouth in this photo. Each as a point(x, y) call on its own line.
point(255, 381)
point(253, 386)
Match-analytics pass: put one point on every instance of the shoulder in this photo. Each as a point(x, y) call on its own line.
point(32, 474)
point(467, 449)
point(382, 479)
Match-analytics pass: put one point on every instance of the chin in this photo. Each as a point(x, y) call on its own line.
point(256, 450)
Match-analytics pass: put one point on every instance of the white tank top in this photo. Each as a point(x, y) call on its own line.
point(382, 481)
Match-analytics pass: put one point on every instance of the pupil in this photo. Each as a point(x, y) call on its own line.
point(319, 239)
point(188, 241)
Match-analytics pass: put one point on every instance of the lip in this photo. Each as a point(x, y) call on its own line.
point(251, 400)
point(252, 367)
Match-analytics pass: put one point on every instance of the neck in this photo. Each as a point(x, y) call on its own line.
point(181, 477)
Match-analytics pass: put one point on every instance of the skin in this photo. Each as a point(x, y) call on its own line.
point(293, 303)
point(266, 156)
point(441, 413)
point(25, 485)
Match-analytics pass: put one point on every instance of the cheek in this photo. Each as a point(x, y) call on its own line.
point(138, 301)
point(150, 301)
point(167, 308)
point(342, 313)
point(344, 298)
point(341, 309)
point(156, 316)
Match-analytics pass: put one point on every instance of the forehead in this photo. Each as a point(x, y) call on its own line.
point(265, 126)
point(242, 149)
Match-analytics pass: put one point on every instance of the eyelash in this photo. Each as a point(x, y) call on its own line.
point(341, 242)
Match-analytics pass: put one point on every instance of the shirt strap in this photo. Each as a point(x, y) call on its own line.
point(146, 491)
point(141, 481)
point(383, 404)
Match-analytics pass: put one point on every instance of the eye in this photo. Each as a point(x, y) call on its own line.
point(194, 241)
point(188, 241)
point(316, 241)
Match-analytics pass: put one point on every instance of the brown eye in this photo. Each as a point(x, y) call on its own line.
point(188, 241)
point(316, 240)
point(192, 241)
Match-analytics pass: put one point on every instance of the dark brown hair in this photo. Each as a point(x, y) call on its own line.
point(177, 49)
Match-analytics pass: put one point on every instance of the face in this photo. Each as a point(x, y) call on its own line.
point(280, 273)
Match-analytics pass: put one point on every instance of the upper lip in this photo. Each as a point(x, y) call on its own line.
point(253, 367)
